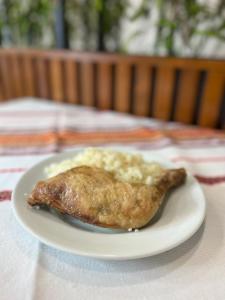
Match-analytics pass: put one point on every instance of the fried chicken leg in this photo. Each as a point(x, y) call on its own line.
point(95, 196)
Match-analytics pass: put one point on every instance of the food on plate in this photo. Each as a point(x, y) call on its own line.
point(123, 166)
point(106, 198)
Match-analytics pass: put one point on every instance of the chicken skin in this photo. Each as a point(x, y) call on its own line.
point(94, 196)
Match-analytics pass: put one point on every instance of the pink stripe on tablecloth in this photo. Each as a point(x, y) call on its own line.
point(12, 170)
point(210, 180)
point(5, 195)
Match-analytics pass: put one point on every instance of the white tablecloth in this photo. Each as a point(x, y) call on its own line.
point(31, 130)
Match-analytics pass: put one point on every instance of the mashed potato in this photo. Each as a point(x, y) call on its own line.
point(124, 166)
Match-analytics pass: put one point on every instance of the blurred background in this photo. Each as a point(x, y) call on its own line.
point(185, 28)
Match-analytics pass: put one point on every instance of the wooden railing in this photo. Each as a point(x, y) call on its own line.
point(176, 89)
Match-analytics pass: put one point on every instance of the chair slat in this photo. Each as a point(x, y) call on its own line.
point(163, 93)
point(56, 82)
point(104, 87)
point(142, 91)
point(186, 96)
point(71, 89)
point(28, 76)
point(16, 76)
point(122, 87)
point(211, 99)
point(7, 78)
point(1, 92)
point(2, 96)
point(87, 84)
point(42, 78)
point(2, 88)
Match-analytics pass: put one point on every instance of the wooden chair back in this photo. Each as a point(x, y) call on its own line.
point(176, 89)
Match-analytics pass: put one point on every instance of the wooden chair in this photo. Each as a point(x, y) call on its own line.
point(176, 89)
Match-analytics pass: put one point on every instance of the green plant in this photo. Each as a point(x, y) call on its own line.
point(24, 21)
point(190, 22)
point(100, 21)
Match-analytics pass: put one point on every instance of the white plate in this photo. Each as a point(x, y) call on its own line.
point(181, 217)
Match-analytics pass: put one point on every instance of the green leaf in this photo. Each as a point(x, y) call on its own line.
point(99, 5)
point(142, 11)
point(167, 23)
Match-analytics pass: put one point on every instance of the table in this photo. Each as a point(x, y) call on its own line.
point(31, 130)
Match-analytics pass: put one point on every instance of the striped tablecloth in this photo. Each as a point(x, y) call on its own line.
point(31, 130)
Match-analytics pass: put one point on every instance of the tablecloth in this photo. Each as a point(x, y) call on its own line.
point(31, 130)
